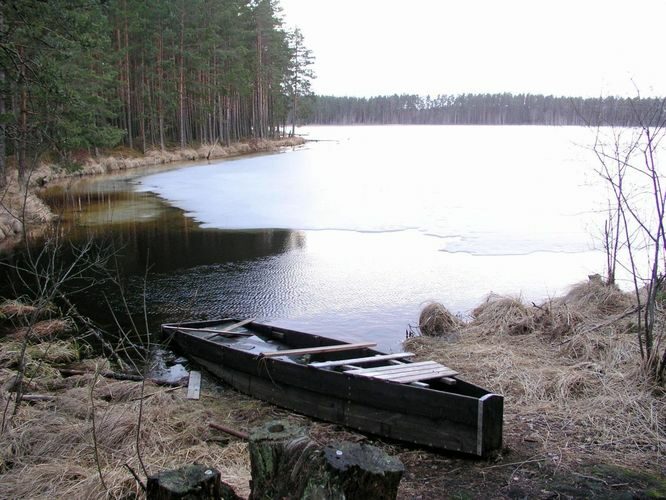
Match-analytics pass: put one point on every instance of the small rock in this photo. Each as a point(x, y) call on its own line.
point(532, 438)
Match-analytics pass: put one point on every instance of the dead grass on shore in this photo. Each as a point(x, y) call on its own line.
point(50, 451)
point(127, 159)
point(45, 329)
point(570, 376)
point(10, 309)
point(436, 321)
point(18, 209)
point(574, 396)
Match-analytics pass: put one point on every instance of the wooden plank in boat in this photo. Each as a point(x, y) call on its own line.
point(403, 368)
point(318, 350)
point(194, 385)
point(207, 330)
point(197, 324)
point(229, 330)
point(358, 361)
point(425, 374)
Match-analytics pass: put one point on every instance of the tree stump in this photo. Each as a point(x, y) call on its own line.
point(287, 464)
point(356, 471)
point(189, 482)
point(276, 449)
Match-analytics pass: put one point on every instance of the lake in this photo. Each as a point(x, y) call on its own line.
point(351, 234)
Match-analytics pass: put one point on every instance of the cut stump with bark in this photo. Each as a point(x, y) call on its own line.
point(358, 471)
point(189, 482)
point(287, 464)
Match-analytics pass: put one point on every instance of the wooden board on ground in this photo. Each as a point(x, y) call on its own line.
point(194, 385)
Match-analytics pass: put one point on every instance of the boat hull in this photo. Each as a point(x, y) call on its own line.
point(466, 419)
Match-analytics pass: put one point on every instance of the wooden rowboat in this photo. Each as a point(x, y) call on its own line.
point(386, 394)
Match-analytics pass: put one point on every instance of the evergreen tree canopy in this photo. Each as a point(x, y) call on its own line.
point(77, 75)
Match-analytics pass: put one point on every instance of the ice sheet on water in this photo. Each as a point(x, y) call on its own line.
point(501, 190)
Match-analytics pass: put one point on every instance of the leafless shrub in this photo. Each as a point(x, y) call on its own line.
point(635, 235)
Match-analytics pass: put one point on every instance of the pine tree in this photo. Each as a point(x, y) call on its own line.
point(53, 60)
point(300, 74)
point(85, 74)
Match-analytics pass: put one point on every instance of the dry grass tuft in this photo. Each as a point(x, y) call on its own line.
point(572, 377)
point(15, 308)
point(16, 314)
point(436, 321)
point(500, 315)
point(46, 328)
point(594, 298)
point(52, 443)
point(587, 306)
point(57, 352)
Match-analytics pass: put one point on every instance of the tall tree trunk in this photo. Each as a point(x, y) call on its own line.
point(160, 78)
point(142, 104)
point(293, 113)
point(23, 135)
point(3, 150)
point(128, 87)
point(3, 163)
point(259, 90)
point(22, 124)
point(181, 77)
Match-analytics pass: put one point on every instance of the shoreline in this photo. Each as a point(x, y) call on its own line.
point(19, 209)
point(580, 420)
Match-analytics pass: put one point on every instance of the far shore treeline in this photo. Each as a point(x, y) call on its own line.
point(484, 109)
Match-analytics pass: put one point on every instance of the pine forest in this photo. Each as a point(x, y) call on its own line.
point(79, 75)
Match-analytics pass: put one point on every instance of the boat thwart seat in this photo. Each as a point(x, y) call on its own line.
point(406, 372)
point(360, 361)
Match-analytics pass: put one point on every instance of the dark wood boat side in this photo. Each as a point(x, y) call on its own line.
point(462, 417)
point(411, 428)
point(491, 422)
point(393, 396)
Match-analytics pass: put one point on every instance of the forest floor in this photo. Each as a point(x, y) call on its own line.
point(20, 209)
point(581, 418)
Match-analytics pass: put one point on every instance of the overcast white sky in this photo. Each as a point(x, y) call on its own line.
point(563, 47)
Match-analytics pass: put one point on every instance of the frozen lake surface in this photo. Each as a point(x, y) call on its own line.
point(481, 190)
point(383, 219)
